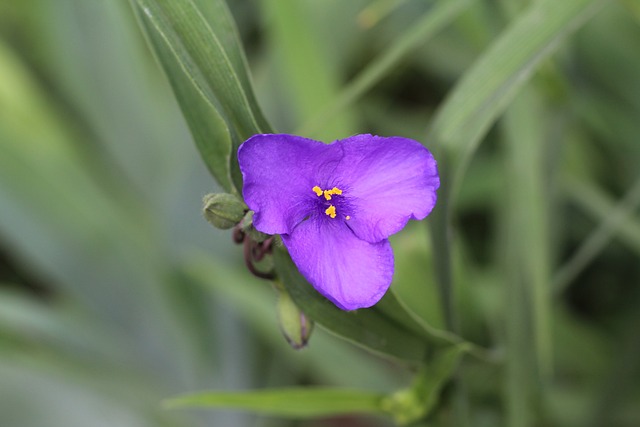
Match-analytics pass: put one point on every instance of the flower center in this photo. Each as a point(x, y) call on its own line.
point(327, 193)
point(335, 191)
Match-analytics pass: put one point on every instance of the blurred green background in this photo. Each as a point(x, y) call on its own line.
point(116, 294)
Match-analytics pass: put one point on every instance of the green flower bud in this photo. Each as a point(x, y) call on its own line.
point(295, 325)
point(223, 210)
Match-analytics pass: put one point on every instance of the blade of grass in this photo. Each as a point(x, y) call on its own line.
point(614, 219)
point(617, 387)
point(288, 403)
point(634, 8)
point(376, 11)
point(528, 316)
point(63, 223)
point(494, 80)
point(311, 81)
point(519, 383)
point(529, 189)
point(429, 25)
point(480, 98)
point(475, 104)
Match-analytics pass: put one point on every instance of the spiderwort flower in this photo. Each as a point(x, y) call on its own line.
point(336, 204)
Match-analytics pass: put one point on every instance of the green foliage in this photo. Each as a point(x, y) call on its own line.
point(290, 403)
point(198, 46)
point(116, 295)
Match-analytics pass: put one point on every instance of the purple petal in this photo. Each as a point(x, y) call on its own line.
point(348, 271)
point(279, 172)
point(390, 180)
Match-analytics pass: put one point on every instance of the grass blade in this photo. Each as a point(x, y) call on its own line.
point(433, 21)
point(288, 403)
point(497, 76)
point(480, 98)
point(613, 220)
point(302, 60)
point(528, 335)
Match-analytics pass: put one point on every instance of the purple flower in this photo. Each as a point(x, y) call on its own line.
point(336, 204)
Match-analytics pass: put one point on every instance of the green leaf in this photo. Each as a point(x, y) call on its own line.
point(433, 21)
point(210, 132)
point(301, 58)
point(613, 219)
point(370, 328)
point(491, 84)
point(396, 310)
point(634, 8)
point(197, 44)
point(477, 101)
point(526, 262)
point(289, 402)
point(55, 207)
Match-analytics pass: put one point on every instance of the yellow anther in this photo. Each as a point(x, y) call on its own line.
point(331, 211)
point(329, 193)
point(317, 190)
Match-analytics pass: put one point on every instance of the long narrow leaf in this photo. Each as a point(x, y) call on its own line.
point(495, 79)
point(197, 44)
point(289, 403)
point(481, 97)
point(613, 219)
point(425, 28)
point(301, 59)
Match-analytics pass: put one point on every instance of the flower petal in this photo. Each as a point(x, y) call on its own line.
point(279, 172)
point(390, 180)
point(348, 271)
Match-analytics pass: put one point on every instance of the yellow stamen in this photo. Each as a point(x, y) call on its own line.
point(331, 211)
point(329, 193)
